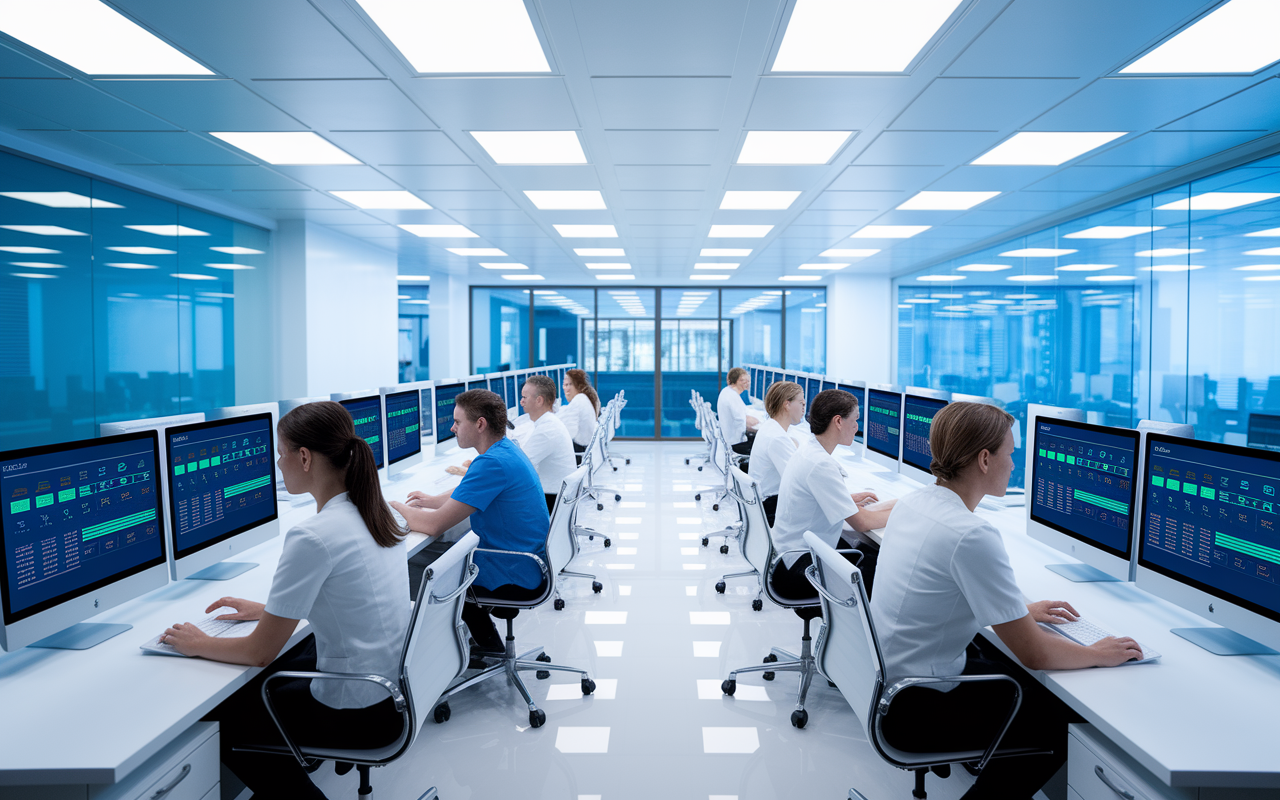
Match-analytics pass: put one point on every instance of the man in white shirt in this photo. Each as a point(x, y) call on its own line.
point(734, 419)
point(545, 440)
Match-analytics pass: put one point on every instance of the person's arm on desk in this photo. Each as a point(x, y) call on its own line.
point(1037, 648)
point(434, 521)
point(423, 500)
point(258, 649)
point(870, 519)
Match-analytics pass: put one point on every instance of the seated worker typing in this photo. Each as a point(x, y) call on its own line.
point(582, 412)
point(343, 572)
point(813, 497)
point(735, 422)
point(773, 447)
point(500, 493)
point(943, 575)
point(545, 440)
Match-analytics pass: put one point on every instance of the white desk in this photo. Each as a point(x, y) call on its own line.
point(1192, 718)
point(93, 716)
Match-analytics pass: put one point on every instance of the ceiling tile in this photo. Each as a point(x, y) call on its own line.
point(399, 147)
point(174, 177)
point(841, 200)
point(660, 217)
point(640, 199)
point(662, 177)
point(326, 217)
point(1099, 179)
point(927, 147)
point(1035, 201)
point(1252, 109)
point(907, 179)
point(203, 105)
point(660, 37)
point(16, 65)
point(662, 147)
point(1135, 104)
point(566, 178)
point(331, 178)
point(89, 147)
point(769, 178)
point(171, 147)
point(641, 103)
point(641, 232)
point(835, 217)
point(239, 177)
point(415, 216)
point(365, 105)
point(1170, 148)
point(935, 218)
point(983, 104)
point(495, 104)
point(76, 105)
point(784, 103)
point(439, 177)
point(486, 216)
point(285, 198)
point(17, 119)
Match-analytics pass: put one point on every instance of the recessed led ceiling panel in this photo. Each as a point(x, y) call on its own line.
point(532, 147)
point(859, 35)
point(447, 36)
point(1237, 37)
point(1044, 148)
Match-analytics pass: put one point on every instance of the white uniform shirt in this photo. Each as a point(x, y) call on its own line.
point(354, 593)
point(733, 415)
point(579, 418)
point(812, 497)
point(943, 574)
point(550, 449)
point(770, 454)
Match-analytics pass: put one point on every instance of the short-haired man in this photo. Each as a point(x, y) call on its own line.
point(500, 493)
point(545, 440)
point(735, 422)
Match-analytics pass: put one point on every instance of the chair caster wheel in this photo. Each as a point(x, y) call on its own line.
point(544, 658)
point(543, 674)
point(699, 469)
point(588, 686)
point(724, 549)
point(442, 713)
point(769, 659)
point(597, 587)
point(697, 497)
point(705, 541)
point(768, 676)
point(617, 498)
point(599, 506)
point(799, 718)
point(686, 462)
point(729, 686)
point(608, 542)
point(715, 506)
point(757, 604)
point(537, 718)
point(720, 587)
point(559, 604)
point(615, 469)
point(627, 462)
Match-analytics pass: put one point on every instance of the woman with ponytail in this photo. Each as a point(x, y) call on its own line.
point(582, 411)
point(340, 570)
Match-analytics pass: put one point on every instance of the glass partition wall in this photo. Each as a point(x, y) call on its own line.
point(657, 344)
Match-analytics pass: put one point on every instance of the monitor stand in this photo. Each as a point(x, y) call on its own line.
point(1223, 642)
point(222, 571)
point(82, 636)
point(1081, 573)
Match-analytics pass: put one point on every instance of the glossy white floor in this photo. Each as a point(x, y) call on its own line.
point(658, 641)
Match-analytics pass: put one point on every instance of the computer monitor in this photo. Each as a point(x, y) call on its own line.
point(157, 424)
point(426, 402)
point(510, 390)
point(222, 498)
point(365, 409)
point(227, 412)
point(1264, 432)
point(403, 427)
point(83, 531)
point(288, 405)
point(812, 386)
point(493, 381)
point(446, 395)
point(918, 407)
point(884, 425)
point(476, 382)
point(1208, 540)
point(1083, 487)
point(859, 390)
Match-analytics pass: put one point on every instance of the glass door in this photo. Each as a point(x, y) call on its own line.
point(624, 356)
point(690, 360)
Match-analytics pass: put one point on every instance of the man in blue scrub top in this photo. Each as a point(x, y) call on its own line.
point(503, 496)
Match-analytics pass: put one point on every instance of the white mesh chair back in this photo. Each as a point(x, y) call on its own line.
point(755, 542)
point(562, 544)
point(435, 648)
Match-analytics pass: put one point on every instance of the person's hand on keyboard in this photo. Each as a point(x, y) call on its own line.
point(865, 498)
point(242, 609)
point(1054, 612)
point(1114, 651)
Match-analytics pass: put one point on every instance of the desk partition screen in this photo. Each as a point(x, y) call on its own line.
point(884, 426)
point(1209, 540)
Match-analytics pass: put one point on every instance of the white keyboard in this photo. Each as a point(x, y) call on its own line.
point(1086, 633)
point(212, 626)
point(399, 518)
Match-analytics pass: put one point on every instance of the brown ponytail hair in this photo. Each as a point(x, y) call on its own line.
point(325, 428)
point(579, 380)
point(959, 434)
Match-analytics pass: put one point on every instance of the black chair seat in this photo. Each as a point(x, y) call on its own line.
point(808, 612)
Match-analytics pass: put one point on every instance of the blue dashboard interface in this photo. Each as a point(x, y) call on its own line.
point(366, 413)
point(811, 388)
point(404, 420)
point(1210, 519)
point(918, 421)
point(221, 480)
point(862, 406)
point(1082, 479)
point(77, 516)
point(445, 397)
point(884, 424)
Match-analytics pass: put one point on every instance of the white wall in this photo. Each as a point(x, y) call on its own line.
point(450, 326)
point(859, 328)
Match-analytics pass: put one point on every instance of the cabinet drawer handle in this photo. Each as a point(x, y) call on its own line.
point(186, 770)
point(1102, 776)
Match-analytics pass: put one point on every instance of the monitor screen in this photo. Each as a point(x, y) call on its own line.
point(862, 405)
point(1210, 518)
point(1264, 431)
point(445, 397)
point(917, 420)
point(1082, 479)
point(510, 393)
point(404, 420)
point(884, 428)
point(221, 480)
point(77, 516)
point(366, 413)
point(811, 388)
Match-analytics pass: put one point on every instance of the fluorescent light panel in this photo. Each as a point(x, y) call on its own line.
point(1031, 278)
point(531, 147)
point(1085, 267)
point(859, 36)
point(94, 38)
point(43, 230)
point(848, 252)
point(941, 278)
point(791, 147)
point(229, 267)
point(600, 251)
point(828, 266)
point(1266, 251)
point(412, 278)
point(890, 231)
point(615, 277)
point(286, 147)
point(389, 200)
point(1165, 252)
point(739, 231)
point(587, 231)
point(59, 200)
point(1038, 252)
point(441, 231)
point(31, 251)
point(946, 201)
point(731, 252)
point(1217, 201)
point(566, 200)
point(523, 278)
point(145, 251)
point(502, 265)
point(475, 251)
point(757, 201)
point(983, 268)
point(238, 251)
point(708, 277)
point(714, 265)
point(444, 37)
point(1236, 38)
point(617, 265)
point(1044, 148)
point(800, 278)
point(1268, 232)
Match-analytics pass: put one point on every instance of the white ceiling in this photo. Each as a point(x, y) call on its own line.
point(662, 93)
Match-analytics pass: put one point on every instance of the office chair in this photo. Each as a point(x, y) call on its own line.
point(851, 657)
point(753, 542)
point(511, 663)
point(562, 545)
point(435, 653)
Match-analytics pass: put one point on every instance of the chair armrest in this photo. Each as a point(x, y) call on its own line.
point(886, 700)
point(811, 572)
point(542, 565)
point(434, 599)
point(391, 687)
